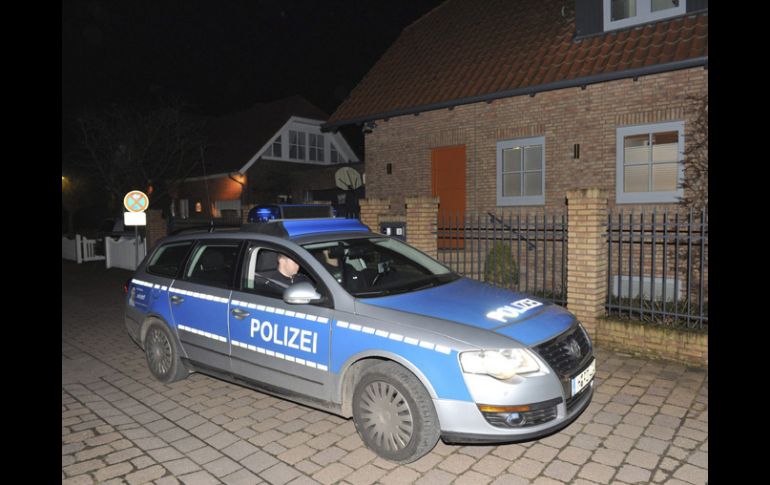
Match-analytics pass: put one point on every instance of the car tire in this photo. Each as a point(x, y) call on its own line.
point(394, 414)
point(162, 353)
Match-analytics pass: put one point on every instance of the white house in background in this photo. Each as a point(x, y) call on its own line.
point(269, 151)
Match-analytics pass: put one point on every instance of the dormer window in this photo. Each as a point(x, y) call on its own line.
point(296, 145)
point(336, 156)
point(316, 148)
point(627, 13)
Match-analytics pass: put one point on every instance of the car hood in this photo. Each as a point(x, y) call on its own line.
point(520, 316)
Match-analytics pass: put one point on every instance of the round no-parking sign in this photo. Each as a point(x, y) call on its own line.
point(136, 201)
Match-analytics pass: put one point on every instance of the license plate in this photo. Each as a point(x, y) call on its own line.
point(582, 380)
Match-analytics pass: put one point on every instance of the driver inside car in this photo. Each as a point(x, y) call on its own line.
point(287, 273)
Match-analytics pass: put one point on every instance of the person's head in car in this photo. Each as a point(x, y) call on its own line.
point(287, 266)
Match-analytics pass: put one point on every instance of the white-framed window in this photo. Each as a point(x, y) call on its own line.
point(276, 147)
point(184, 208)
point(649, 163)
point(335, 156)
point(626, 13)
point(316, 145)
point(297, 145)
point(521, 171)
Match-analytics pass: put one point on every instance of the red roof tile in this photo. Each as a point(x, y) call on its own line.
point(467, 48)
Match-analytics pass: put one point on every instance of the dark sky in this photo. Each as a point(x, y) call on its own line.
point(222, 56)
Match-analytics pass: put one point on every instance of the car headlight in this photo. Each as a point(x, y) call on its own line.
point(500, 364)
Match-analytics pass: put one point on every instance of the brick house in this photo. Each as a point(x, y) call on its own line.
point(268, 152)
point(500, 104)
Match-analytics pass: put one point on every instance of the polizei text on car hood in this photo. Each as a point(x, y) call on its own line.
point(528, 319)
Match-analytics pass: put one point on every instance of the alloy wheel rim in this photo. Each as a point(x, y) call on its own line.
point(386, 417)
point(158, 352)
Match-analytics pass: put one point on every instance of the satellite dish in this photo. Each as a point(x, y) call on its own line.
point(347, 178)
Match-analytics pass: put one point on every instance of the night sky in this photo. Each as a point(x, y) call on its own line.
point(222, 56)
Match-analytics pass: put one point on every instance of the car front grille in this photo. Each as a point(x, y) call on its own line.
point(561, 354)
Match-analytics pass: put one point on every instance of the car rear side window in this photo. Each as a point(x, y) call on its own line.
point(212, 263)
point(168, 258)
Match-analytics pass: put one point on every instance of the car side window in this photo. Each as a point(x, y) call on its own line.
point(262, 276)
point(212, 263)
point(168, 258)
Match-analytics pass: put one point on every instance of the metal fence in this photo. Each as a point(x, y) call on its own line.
point(658, 268)
point(522, 252)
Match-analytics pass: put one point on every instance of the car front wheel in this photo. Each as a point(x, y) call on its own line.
point(394, 414)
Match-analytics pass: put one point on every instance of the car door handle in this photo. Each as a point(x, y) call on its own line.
point(176, 300)
point(239, 314)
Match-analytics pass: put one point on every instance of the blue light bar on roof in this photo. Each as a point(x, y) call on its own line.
point(303, 227)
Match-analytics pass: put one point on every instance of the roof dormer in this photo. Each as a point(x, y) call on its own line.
point(598, 16)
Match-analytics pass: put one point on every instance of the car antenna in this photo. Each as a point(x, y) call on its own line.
point(206, 185)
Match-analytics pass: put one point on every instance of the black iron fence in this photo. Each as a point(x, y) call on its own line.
point(523, 252)
point(658, 267)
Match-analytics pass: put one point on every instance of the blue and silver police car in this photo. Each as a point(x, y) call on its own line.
point(368, 327)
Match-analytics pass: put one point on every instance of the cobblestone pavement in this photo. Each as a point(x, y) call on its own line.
point(648, 422)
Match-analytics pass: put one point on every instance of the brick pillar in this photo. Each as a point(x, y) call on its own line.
point(421, 216)
point(156, 227)
point(371, 209)
point(245, 208)
point(587, 256)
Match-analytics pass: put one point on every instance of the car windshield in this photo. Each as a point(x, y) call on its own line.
point(373, 267)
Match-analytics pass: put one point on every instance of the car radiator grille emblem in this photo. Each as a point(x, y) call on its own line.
point(573, 349)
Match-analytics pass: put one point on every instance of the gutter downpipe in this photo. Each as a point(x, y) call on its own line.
point(583, 81)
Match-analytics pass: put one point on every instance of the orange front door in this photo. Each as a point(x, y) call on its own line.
point(448, 183)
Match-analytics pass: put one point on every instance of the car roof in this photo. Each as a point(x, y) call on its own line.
point(297, 230)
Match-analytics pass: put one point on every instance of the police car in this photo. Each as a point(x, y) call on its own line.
point(376, 330)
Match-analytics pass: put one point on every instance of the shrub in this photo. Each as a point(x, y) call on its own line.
point(500, 268)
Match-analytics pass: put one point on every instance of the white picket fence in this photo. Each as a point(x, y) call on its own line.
point(80, 249)
point(122, 253)
point(119, 253)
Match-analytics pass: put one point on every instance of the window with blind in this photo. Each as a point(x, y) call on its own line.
point(649, 167)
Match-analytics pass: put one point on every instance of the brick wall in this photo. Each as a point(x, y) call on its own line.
point(564, 117)
point(421, 214)
point(156, 228)
point(371, 209)
point(654, 341)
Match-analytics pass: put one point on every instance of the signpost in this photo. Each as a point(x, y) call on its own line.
point(136, 202)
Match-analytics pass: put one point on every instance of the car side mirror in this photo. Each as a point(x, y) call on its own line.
point(301, 293)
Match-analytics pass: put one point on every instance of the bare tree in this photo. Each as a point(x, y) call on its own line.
point(696, 161)
point(130, 148)
point(75, 194)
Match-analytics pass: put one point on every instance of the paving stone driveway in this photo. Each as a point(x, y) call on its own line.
point(648, 422)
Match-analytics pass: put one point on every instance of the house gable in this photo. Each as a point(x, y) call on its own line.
point(329, 143)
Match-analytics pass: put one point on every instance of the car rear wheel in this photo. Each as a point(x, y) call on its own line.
point(163, 355)
point(394, 414)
